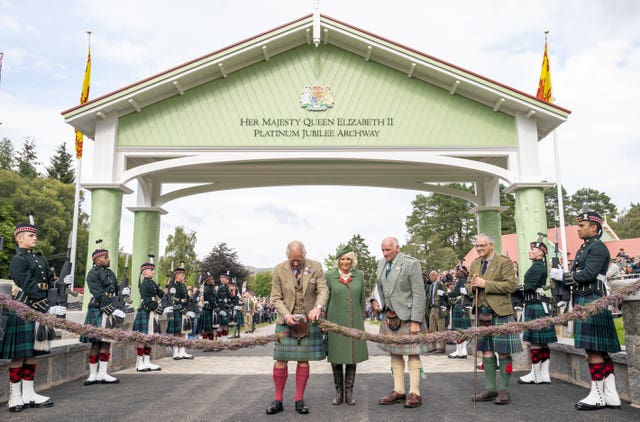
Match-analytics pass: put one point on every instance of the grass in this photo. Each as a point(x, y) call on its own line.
point(619, 329)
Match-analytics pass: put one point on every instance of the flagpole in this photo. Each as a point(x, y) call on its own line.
point(563, 234)
point(76, 199)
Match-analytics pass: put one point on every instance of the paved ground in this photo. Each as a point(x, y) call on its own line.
point(237, 386)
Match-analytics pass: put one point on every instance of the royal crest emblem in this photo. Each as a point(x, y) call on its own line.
point(316, 98)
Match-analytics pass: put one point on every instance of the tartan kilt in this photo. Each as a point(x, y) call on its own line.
point(93, 317)
point(401, 349)
point(506, 343)
point(460, 318)
point(310, 347)
point(174, 324)
point(239, 318)
point(205, 321)
point(546, 335)
point(18, 337)
point(596, 333)
point(141, 323)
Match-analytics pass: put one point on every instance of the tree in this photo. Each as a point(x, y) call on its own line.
point(439, 221)
point(507, 218)
point(628, 224)
point(27, 159)
point(594, 200)
point(61, 165)
point(261, 284)
point(366, 262)
point(6, 154)
point(7, 224)
point(551, 207)
point(222, 259)
point(180, 247)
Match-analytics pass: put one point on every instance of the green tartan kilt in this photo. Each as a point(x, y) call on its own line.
point(93, 317)
point(506, 343)
point(18, 337)
point(174, 325)
point(141, 323)
point(598, 332)
point(239, 318)
point(546, 335)
point(205, 321)
point(310, 347)
point(460, 318)
point(404, 330)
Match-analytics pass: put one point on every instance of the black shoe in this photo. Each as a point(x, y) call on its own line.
point(275, 407)
point(301, 408)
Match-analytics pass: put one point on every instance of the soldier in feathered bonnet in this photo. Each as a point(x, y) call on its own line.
point(178, 292)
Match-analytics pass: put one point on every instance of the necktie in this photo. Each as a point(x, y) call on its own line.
point(388, 269)
point(248, 305)
point(484, 266)
point(297, 275)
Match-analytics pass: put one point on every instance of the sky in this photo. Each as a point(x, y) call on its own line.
point(594, 49)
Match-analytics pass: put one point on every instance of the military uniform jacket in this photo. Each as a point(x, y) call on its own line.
point(103, 286)
point(180, 297)
point(209, 295)
point(455, 297)
point(149, 290)
point(500, 283)
point(31, 273)
point(592, 259)
point(403, 287)
point(535, 277)
point(224, 298)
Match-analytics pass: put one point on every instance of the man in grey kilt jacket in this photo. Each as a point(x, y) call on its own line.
point(400, 294)
point(299, 293)
point(597, 334)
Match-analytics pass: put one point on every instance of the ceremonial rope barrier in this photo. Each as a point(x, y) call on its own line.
point(579, 312)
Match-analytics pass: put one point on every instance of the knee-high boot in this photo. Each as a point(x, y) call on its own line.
point(338, 381)
point(349, 379)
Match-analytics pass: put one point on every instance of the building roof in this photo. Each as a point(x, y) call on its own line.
point(222, 63)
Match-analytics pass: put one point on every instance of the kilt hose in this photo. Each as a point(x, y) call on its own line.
point(546, 335)
point(174, 324)
point(93, 317)
point(505, 343)
point(143, 320)
point(401, 349)
point(205, 321)
point(460, 319)
point(19, 337)
point(597, 333)
point(311, 347)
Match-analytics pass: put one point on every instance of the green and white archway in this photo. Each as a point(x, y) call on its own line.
point(236, 118)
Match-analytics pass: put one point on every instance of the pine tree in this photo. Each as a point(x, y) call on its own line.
point(27, 159)
point(61, 166)
point(6, 154)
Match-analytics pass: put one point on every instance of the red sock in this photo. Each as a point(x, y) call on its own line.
point(93, 359)
point(597, 371)
point(28, 371)
point(279, 380)
point(536, 355)
point(608, 366)
point(15, 374)
point(302, 375)
point(546, 353)
point(139, 351)
point(104, 357)
point(147, 351)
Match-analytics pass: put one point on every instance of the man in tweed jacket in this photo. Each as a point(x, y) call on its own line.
point(298, 291)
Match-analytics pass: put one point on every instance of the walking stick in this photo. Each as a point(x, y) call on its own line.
point(475, 350)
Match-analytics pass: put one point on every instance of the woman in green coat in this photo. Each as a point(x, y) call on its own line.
point(346, 308)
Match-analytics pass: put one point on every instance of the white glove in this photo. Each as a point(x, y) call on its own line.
point(443, 308)
point(440, 292)
point(61, 311)
point(118, 313)
point(172, 290)
point(68, 280)
point(126, 291)
point(237, 308)
point(540, 291)
point(223, 313)
point(191, 314)
point(463, 291)
point(53, 310)
point(556, 274)
point(168, 310)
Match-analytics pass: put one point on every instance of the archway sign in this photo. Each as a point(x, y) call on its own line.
point(279, 109)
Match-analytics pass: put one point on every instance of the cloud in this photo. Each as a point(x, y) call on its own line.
point(283, 215)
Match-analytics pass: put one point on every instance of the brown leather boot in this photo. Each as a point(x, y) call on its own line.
point(338, 381)
point(349, 379)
